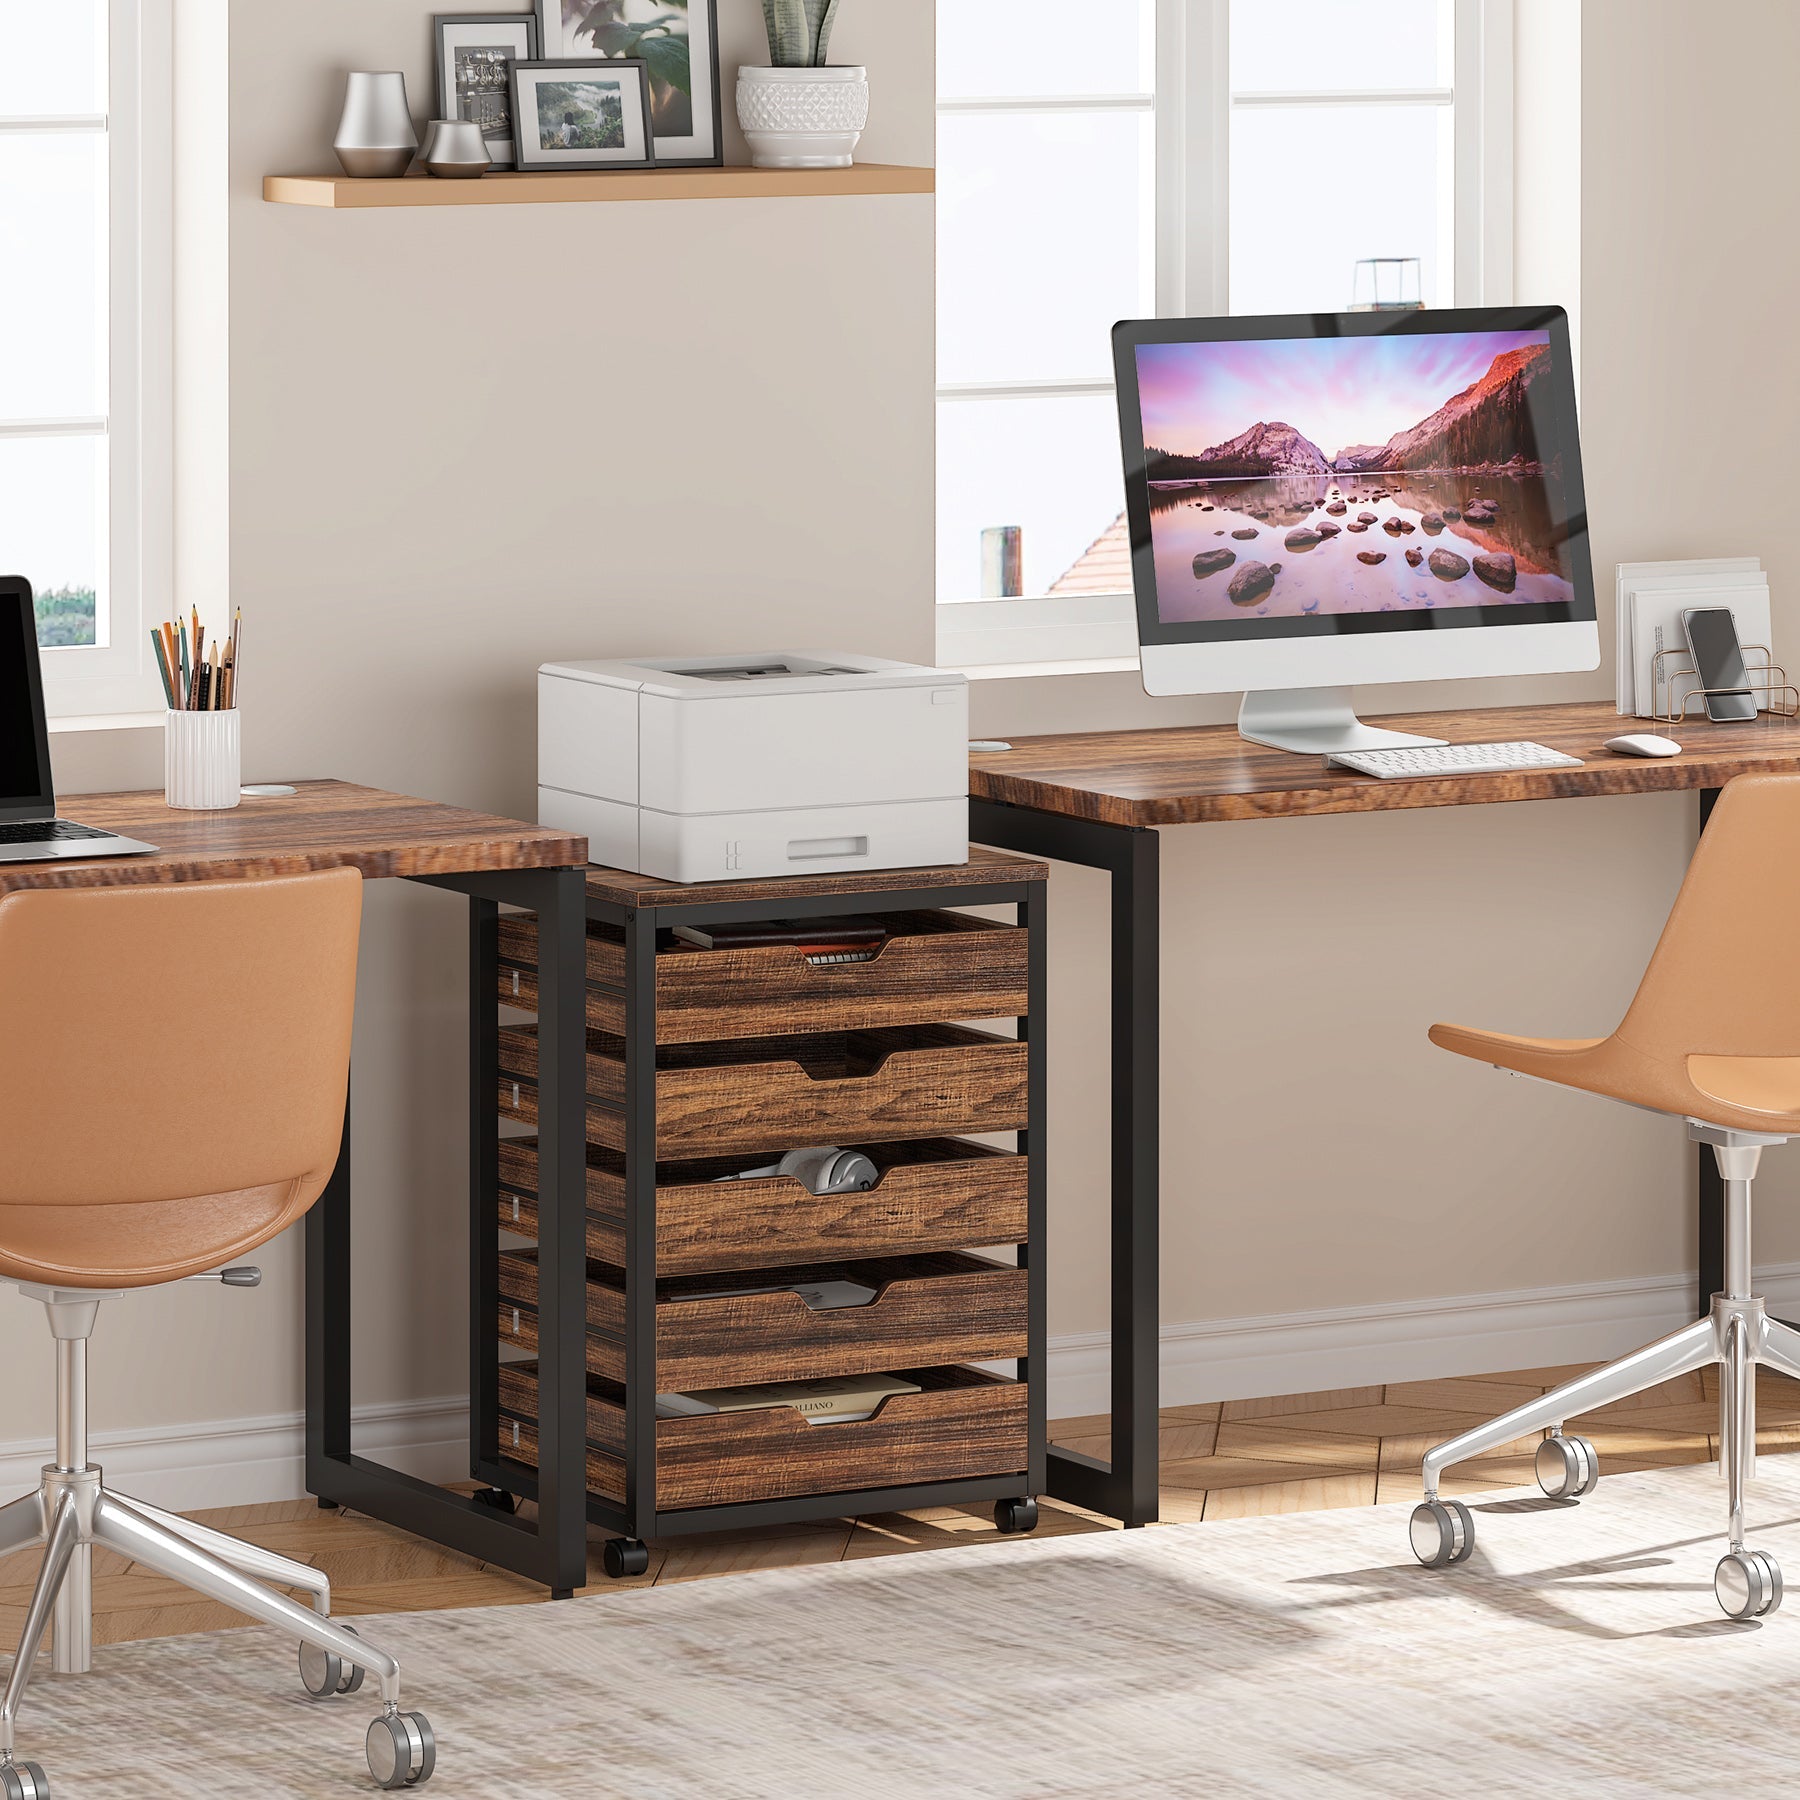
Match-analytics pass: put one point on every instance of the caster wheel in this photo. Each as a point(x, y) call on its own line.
point(23, 1781)
point(1442, 1533)
point(323, 1673)
point(624, 1557)
point(1567, 1467)
point(1748, 1583)
point(1015, 1515)
point(497, 1498)
point(402, 1751)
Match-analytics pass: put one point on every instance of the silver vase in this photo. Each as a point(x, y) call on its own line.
point(376, 135)
point(455, 148)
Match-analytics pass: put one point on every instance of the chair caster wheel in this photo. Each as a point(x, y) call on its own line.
point(1015, 1515)
point(323, 1673)
point(23, 1781)
point(1442, 1533)
point(402, 1751)
point(624, 1557)
point(1567, 1467)
point(1748, 1583)
point(498, 1498)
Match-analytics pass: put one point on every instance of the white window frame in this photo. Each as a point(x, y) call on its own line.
point(1193, 103)
point(104, 681)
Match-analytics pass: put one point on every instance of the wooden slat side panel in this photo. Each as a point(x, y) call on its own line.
point(519, 1444)
point(517, 1329)
point(605, 1405)
point(605, 947)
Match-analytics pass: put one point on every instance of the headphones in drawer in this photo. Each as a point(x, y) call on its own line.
point(823, 1170)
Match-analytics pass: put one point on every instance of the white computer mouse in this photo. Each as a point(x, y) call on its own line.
point(1643, 743)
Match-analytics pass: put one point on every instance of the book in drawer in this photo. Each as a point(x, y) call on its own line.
point(933, 966)
point(933, 1194)
point(775, 1094)
point(964, 1423)
point(946, 1308)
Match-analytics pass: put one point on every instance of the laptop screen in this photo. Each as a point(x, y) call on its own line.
point(25, 790)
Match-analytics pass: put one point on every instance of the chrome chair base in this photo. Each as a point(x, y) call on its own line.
point(1736, 1337)
point(72, 1510)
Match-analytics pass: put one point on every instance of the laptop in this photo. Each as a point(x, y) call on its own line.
point(30, 831)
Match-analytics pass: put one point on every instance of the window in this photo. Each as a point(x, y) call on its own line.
point(1108, 159)
point(84, 447)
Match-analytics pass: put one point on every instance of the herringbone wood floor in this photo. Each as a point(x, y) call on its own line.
point(1295, 1453)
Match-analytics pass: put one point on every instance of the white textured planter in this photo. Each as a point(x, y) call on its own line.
point(202, 767)
point(802, 118)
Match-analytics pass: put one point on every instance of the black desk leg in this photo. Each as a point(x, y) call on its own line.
point(553, 1549)
point(1124, 1487)
point(1711, 1219)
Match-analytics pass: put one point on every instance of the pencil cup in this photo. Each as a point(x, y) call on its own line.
point(202, 770)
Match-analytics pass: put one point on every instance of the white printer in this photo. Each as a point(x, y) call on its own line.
point(715, 768)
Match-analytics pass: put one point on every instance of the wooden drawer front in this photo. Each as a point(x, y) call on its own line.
point(778, 1094)
point(934, 1194)
point(934, 965)
point(948, 1308)
point(965, 1423)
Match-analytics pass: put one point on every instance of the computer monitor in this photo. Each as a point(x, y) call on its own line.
point(1316, 500)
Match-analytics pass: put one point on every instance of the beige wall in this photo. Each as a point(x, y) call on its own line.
point(461, 442)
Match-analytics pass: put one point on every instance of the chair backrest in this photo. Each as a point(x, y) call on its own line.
point(171, 1042)
point(1725, 976)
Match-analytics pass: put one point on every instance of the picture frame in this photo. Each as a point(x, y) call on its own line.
point(688, 130)
point(582, 113)
point(474, 53)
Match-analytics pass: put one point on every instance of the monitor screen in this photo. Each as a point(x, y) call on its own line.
point(24, 752)
point(1363, 472)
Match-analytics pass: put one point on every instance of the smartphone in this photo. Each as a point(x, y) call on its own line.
point(1712, 641)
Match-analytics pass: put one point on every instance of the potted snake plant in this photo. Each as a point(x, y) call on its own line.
point(801, 112)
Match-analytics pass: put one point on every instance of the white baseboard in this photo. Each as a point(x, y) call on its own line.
point(1407, 1340)
point(238, 1462)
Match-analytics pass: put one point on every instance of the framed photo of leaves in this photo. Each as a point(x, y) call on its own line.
point(676, 40)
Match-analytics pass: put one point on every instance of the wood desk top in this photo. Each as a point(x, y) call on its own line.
point(325, 825)
point(1196, 774)
point(985, 868)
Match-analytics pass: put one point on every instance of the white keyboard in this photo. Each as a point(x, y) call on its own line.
point(1452, 759)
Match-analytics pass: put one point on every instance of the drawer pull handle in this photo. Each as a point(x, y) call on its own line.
point(812, 849)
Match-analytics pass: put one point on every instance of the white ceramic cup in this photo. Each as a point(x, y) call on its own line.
point(202, 767)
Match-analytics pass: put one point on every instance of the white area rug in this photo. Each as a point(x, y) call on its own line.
point(1580, 1652)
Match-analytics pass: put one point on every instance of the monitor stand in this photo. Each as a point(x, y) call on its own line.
point(1315, 721)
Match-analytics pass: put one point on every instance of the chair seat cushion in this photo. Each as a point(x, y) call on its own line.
point(126, 1246)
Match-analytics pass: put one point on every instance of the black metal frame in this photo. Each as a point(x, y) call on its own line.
point(552, 1550)
point(1124, 1487)
point(1709, 1222)
point(565, 1342)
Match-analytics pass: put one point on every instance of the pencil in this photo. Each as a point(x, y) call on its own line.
point(186, 679)
point(199, 694)
point(162, 668)
point(218, 693)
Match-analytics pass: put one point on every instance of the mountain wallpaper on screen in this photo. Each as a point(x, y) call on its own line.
point(1486, 428)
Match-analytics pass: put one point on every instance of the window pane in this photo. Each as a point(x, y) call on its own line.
point(54, 60)
point(1382, 180)
point(994, 47)
point(52, 222)
point(52, 530)
point(1046, 236)
point(1289, 46)
point(1049, 467)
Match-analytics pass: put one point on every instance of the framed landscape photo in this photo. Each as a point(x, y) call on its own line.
point(475, 54)
point(592, 114)
point(677, 39)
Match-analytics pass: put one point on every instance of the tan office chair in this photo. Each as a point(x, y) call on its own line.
point(173, 1062)
point(1712, 1037)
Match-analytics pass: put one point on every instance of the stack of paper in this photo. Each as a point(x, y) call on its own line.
point(1653, 596)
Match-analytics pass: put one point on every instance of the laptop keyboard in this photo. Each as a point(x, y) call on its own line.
point(45, 831)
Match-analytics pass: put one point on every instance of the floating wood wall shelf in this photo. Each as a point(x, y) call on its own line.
point(509, 188)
